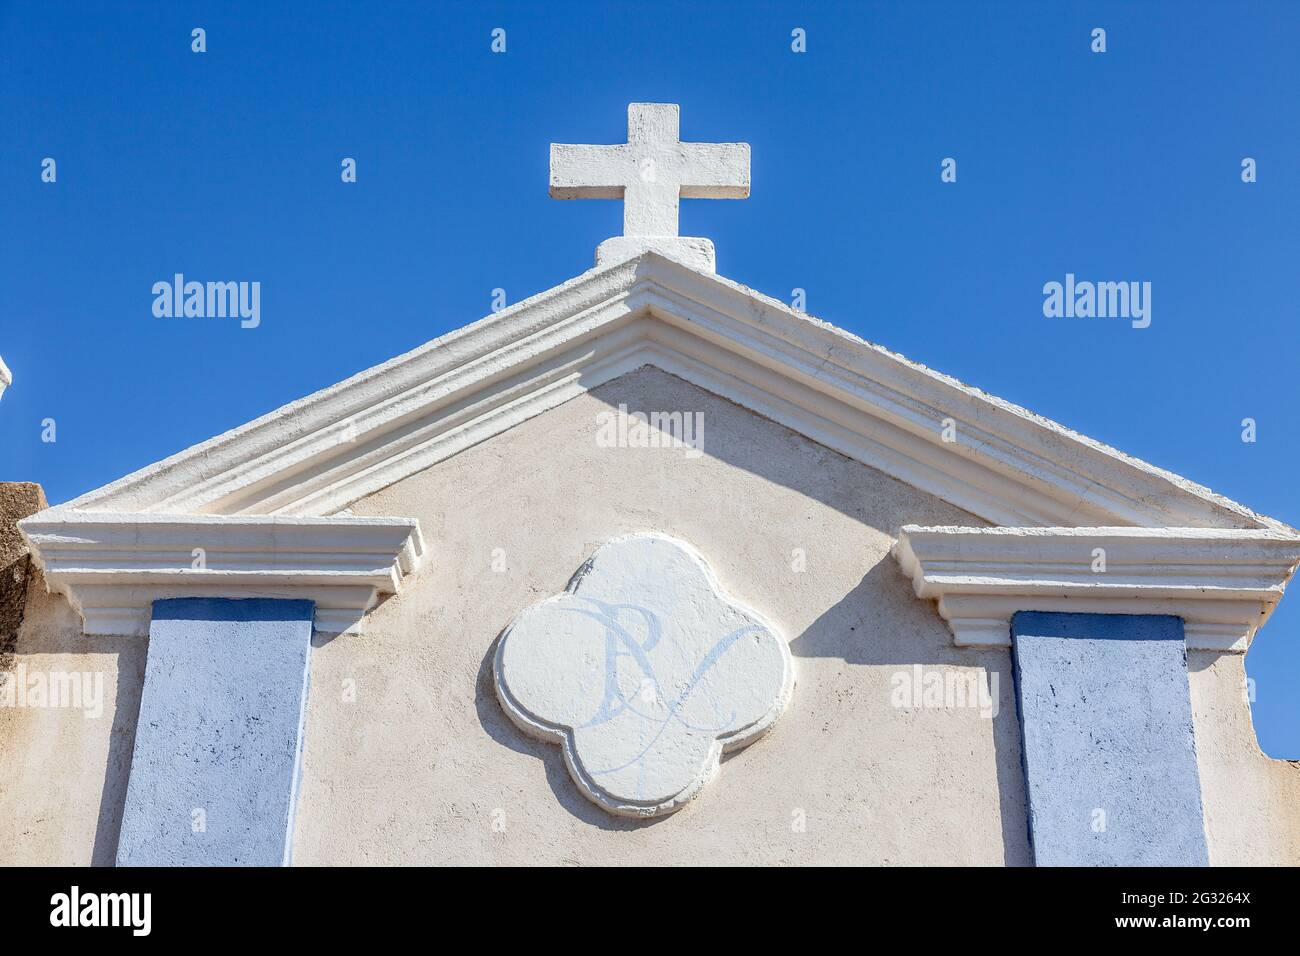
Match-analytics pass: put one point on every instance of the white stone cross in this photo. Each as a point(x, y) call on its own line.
point(651, 171)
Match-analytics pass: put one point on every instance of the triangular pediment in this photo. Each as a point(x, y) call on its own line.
point(317, 455)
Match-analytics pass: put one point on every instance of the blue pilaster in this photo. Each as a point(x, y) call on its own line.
point(1109, 749)
point(214, 774)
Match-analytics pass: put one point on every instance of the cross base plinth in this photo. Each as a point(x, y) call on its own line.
point(688, 250)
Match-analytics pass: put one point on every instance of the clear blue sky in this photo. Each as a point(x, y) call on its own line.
point(225, 165)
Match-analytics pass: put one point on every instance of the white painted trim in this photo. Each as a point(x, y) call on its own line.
point(112, 567)
point(1008, 466)
point(1223, 583)
point(690, 250)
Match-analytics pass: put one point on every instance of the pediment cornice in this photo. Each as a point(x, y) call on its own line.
point(1005, 465)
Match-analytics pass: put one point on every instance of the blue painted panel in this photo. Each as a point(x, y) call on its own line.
point(214, 775)
point(1109, 749)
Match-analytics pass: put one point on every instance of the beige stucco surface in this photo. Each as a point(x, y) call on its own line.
point(424, 767)
point(1251, 803)
point(409, 758)
point(63, 774)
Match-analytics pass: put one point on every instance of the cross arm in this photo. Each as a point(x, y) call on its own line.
point(716, 171)
point(588, 172)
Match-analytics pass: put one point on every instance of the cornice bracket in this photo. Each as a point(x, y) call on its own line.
point(113, 566)
point(1223, 583)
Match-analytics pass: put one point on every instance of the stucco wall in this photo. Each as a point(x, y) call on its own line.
point(424, 767)
point(63, 772)
point(1251, 803)
point(409, 758)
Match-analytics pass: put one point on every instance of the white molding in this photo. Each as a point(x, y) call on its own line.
point(1223, 583)
point(1007, 466)
point(112, 567)
point(689, 250)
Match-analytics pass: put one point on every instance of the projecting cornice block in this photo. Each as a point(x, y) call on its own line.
point(1223, 583)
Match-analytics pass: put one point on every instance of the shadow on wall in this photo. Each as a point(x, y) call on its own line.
point(836, 634)
point(131, 654)
point(843, 631)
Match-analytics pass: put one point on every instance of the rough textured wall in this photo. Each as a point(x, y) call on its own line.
point(1110, 747)
point(423, 766)
point(18, 499)
point(1252, 803)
